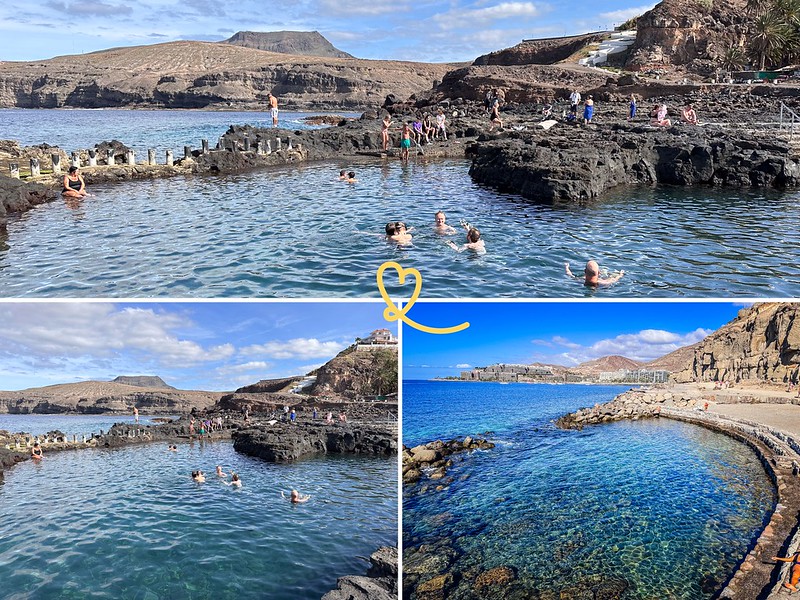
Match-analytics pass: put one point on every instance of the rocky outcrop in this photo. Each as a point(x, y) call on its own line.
point(17, 196)
point(100, 397)
point(267, 385)
point(355, 373)
point(761, 344)
point(692, 36)
point(380, 582)
point(433, 459)
point(147, 381)
point(206, 75)
point(304, 43)
point(582, 163)
point(285, 442)
point(539, 52)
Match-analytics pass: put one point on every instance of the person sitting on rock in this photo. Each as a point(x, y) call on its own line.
point(441, 124)
point(591, 275)
point(661, 120)
point(296, 497)
point(36, 452)
point(428, 128)
point(329, 418)
point(74, 185)
point(794, 571)
point(689, 115)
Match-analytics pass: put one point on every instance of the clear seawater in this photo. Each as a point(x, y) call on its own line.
point(131, 524)
point(297, 231)
point(660, 508)
point(79, 129)
point(69, 424)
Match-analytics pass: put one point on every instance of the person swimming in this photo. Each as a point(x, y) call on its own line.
point(351, 177)
point(591, 274)
point(220, 472)
point(296, 497)
point(397, 232)
point(441, 225)
point(342, 175)
point(235, 480)
point(198, 476)
point(474, 241)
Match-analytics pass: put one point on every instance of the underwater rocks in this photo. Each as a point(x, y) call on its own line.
point(580, 163)
point(380, 582)
point(432, 458)
point(285, 442)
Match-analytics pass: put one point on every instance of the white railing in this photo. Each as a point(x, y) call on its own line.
point(788, 120)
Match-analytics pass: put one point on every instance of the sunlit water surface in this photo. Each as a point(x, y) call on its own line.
point(656, 507)
point(131, 523)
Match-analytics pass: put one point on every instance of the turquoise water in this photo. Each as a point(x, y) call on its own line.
point(657, 508)
point(77, 129)
point(69, 424)
point(298, 232)
point(131, 523)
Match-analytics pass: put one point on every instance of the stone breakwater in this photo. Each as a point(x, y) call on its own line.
point(380, 582)
point(434, 458)
point(757, 576)
point(286, 442)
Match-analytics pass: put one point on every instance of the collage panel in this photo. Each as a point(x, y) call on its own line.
point(630, 450)
point(198, 450)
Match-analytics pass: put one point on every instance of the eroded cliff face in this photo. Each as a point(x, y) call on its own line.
point(690, 36)
point(761, 344)
point(358, 373)
point(202, 74)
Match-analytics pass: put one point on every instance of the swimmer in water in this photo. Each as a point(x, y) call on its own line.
point(592, 275)
point(173, 448)
point(441, 225)
point(342, 175)
point(220, 472)
point(397, 232)
point(794, 571)
point(36, 452)
point(235, 480)
point(198, 476)
point(351, 177)
point(474, 241)
point(296, 498)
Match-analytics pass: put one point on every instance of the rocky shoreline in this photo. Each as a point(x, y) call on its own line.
point(756, 576)
point(379, 583)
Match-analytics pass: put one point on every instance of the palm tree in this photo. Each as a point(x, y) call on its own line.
point(769, 38)
point(734, 59)
point(755, 7)
point(787, 10)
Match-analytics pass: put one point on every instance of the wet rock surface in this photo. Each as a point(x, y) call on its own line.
point(380, 582)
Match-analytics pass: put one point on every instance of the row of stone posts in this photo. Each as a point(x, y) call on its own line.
point(130, 156)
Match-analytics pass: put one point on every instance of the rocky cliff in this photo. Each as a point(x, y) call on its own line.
point(304, 43)
point(206, 75)
point(539, 52)
point(98, 397)
point(147, 381)
point(761, 344)
point(358, 373)
point(692, 36)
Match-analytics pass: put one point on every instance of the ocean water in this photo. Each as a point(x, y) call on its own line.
point(69, 424)
point(131, 523)
point(79, 129)
point(652, 509)
point(297, 231)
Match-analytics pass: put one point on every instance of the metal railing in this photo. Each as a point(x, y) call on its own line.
point(788, 120)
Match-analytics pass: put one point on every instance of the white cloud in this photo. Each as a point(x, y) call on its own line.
point(622, 15)
point(296, 348)
point(358, 7)
point(483, 17)
point(101, 330)
point(258, 365)
point(645, 345)
point(562, 341)
point(463, 366)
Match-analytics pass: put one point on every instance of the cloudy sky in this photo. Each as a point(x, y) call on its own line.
point(565, 333)
point(424, 30)
point(206, 346)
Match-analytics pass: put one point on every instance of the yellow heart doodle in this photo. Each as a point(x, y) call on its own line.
point(392, 313)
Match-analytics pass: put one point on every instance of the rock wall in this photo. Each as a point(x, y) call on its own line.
point(761, 344)
point(380, 582)
point(284, 442)
point(358, 373)
point(17, 196)
point(539, 52)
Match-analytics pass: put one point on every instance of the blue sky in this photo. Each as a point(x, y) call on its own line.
point(205, 346)
point(565, 333)
point(424, 30)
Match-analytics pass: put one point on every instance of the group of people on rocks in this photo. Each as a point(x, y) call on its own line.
point(423, 130)
point(206, 426)
point(659, 114)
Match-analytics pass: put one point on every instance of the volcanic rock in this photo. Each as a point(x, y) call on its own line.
point(379, 584)
point(539, 52)
point(304, 43)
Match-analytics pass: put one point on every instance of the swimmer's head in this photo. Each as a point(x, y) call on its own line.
point(390, 228)
point(294, 494)
point(592, 270)
point(399, 226)
point(440, 218)
point(473, 235)
point(342, 173)
point(235, 477)
point(351, 174)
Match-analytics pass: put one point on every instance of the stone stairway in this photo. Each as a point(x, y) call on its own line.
point(617, 43)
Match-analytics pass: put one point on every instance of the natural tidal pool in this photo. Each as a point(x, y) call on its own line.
point(646, 509)
point(131, 523)
point(299, 232)
point(70, 424)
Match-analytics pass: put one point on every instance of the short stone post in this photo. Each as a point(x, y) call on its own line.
point(290, 145)
point(187, 152)
point(84, 438)
point(221, 143)
point(299, 147)
point(151, 156)
point(269, 147)
point(170, 160)
point(110, 160)
point(204, 146)
point(246, 144)
point(14, 168)
point(259, 147)
point(92, 157)
point(76, 159)
point(74, 438)
point(131, 156)
point(56, 158)
point(278, 146)
point(35, 171)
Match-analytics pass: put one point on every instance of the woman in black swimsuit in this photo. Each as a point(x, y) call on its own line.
point(74, 186)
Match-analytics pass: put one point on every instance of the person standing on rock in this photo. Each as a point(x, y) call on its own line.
point(405, 141)
point(136, 414)
point(574, 101)
point(632, 108)
point(494, 117)
point(588, 110)
point(385, 125)
point(273, 108)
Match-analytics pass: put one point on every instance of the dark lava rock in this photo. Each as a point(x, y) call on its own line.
point(380, 582)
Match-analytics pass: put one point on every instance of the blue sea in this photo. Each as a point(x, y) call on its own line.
point(131, 523)
point(652, 508)
point(298, 232)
